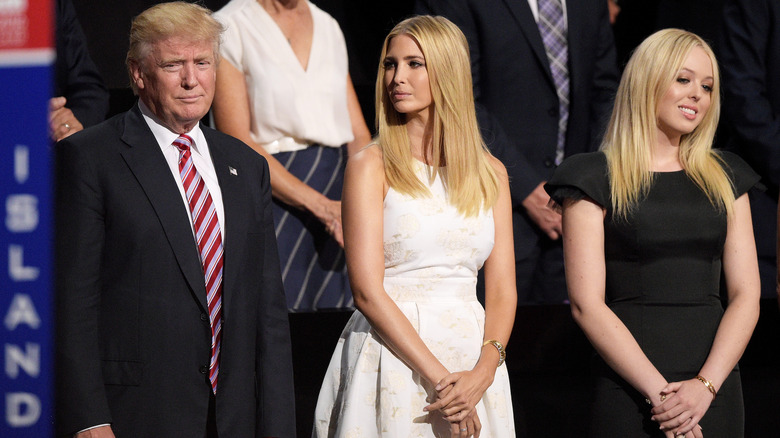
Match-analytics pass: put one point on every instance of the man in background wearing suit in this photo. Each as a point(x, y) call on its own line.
point(171, 318)
point(81, 99)
point(546, 74)
point(749, 48)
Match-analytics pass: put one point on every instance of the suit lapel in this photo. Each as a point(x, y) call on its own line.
point(574, 40)
point(146, 161)
point(230, 176)
point(525, 19)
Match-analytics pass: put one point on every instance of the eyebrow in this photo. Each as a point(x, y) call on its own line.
point(693, 72)
point(406, 58)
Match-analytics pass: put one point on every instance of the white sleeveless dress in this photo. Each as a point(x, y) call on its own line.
point(432, 255)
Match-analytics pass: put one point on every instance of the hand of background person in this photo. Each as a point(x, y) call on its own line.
point(614, 10)
point(62, 122)
point(471, 424)
point(98, 432)
point(329, 213)
point(459, 393)
point(686, 403)
point(545, 218)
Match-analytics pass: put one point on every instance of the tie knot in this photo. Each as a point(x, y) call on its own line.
point(184, 142)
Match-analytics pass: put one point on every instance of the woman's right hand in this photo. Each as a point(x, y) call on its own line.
point(468, 427)
point(459, 393)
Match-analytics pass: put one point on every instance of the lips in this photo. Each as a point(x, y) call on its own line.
point(688, 112)
point(190, 99)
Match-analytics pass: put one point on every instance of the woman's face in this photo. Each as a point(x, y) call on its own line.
point(406, 77)
point(686, 102)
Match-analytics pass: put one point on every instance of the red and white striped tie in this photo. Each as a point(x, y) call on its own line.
point(209, 237)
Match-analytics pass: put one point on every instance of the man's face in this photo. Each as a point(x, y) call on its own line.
point(176, 81)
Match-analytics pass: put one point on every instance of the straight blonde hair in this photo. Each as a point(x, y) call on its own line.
point(631, 132)
point(459, 155)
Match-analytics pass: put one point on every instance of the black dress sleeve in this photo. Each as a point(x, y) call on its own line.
point(581, 176)
point(742, 176)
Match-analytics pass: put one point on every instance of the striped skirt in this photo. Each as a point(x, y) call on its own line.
point(313, 267)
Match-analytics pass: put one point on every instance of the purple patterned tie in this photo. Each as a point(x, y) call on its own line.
point(209, 238)
point(553, 29)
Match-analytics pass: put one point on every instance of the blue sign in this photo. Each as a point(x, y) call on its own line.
point(26, 250)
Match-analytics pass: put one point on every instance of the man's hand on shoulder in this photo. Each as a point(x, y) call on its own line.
point(543, 216)
point(62, 121)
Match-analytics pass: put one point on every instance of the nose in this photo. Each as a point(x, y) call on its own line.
point(696, 92)
point(399, 75)
point(188, 77)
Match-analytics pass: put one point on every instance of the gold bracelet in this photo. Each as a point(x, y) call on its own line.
point(501, 351)
point(708, 384)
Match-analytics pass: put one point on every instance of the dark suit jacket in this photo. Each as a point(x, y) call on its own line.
point(512, 80)
point(133, 336)
point(750, 62)
point(749, 54)
point(77, 77)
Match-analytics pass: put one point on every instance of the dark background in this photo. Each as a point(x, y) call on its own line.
point(365, 24)
point(548, 355)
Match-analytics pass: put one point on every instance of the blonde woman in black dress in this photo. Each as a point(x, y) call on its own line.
point(649, 222)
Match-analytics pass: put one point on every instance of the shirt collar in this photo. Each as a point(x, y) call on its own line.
point(164, 136)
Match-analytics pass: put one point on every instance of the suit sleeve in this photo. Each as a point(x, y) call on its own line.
point(78, 78)
point(605, 79)
point(80, 233)
point(523, 179)
point(276, 404)
point(744, 52)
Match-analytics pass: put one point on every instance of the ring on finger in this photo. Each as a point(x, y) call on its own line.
point(66, 126)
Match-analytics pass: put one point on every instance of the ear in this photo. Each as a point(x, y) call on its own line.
point(137, 74)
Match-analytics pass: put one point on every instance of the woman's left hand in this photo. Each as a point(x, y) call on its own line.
point(686, 403)
point(459, 393)
point(469, 427)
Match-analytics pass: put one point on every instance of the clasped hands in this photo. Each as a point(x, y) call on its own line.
point(457, 396)
point(683, 405)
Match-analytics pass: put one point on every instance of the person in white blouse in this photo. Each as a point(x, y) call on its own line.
point(284, 89)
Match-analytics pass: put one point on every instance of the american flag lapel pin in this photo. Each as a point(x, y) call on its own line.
point(233, 170)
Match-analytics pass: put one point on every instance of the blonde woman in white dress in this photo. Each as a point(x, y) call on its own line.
point(424, 208)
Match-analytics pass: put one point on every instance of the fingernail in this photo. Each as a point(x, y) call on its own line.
point(438, 387)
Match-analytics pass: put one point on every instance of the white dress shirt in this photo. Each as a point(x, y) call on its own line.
point(201, 158)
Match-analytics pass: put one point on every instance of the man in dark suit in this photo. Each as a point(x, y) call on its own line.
point(749, 49)
point(81, 99)
point(160, 334)
point(514, 82)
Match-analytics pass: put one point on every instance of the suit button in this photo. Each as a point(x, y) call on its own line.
point(204, 369)
point(548, 162)
point(553, 112)
point(204, 317)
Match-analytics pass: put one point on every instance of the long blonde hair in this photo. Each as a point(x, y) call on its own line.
point(631, 132)
point(458, 153)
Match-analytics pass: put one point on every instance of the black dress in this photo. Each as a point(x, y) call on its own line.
point(663, 269)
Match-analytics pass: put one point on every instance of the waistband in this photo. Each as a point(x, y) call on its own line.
point(285, 144)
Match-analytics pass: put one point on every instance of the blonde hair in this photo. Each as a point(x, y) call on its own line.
point(647, 77)
point(166, 20)
point(458, 153)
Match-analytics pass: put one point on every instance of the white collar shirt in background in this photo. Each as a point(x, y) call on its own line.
point(286, 101)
